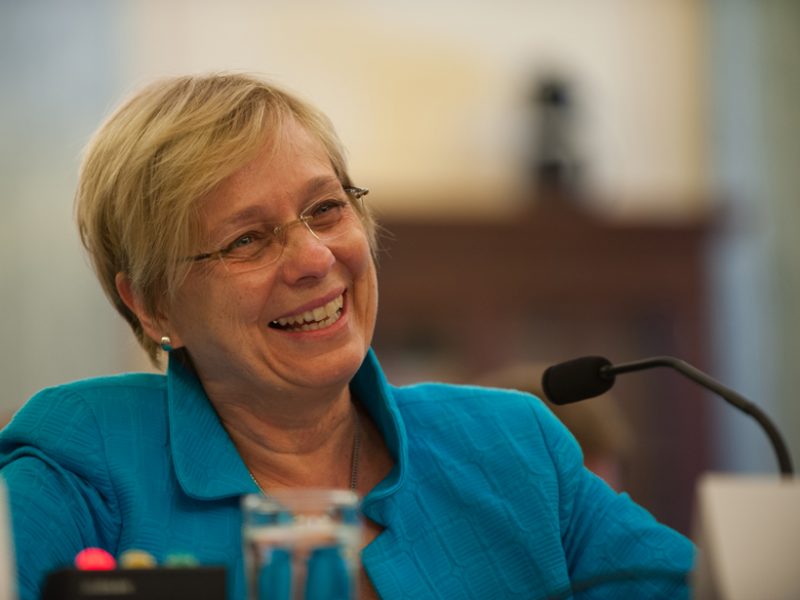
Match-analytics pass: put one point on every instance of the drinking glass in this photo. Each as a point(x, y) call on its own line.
point(302, 544)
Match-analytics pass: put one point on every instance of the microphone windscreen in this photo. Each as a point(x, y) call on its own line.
point(576, 380)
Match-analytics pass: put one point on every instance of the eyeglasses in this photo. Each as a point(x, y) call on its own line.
point(263, 246)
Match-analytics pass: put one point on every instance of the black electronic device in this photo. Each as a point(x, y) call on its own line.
point(195, 583)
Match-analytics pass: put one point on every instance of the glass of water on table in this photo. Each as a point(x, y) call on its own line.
point(302, 544)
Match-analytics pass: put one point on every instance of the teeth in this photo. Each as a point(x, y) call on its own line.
point(310, 320)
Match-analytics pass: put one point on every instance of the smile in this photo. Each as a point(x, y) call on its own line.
point(310, 320)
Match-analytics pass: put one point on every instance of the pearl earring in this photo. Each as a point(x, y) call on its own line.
point(166, 343)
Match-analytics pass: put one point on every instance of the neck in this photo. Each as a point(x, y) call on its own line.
point(295, 442)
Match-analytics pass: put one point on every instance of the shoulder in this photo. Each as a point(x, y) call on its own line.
point(104, 394)
point(480, 417)
point(109, 386)
point(470, 403)
point(427, 392)
point(97, 391)
point(82, 413)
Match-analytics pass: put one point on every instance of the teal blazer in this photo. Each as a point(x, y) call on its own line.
point(488, 497)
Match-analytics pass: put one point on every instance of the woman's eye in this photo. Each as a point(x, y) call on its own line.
point(243, 241)
point(325, 208)
point(247, 242)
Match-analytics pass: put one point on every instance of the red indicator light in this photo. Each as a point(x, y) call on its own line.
point(95, 559)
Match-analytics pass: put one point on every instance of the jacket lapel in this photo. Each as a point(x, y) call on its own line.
point(207, 464)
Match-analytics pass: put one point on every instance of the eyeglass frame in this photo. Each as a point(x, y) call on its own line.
point(356, 193)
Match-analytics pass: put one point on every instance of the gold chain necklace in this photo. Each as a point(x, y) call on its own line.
point(353, 464)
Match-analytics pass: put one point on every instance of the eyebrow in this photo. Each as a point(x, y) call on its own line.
point(321, 183)
point(256, 210)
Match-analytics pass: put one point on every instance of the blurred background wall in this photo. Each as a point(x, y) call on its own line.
point(666, 114)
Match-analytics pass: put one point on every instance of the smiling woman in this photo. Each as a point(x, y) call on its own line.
point(148, 171)
point(224, 227)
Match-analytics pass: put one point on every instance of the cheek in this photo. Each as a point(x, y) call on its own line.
point(200, 311)
point(366, 282)
point(357, 258)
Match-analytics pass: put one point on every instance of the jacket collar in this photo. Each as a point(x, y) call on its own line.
point(208, 465)
point(369, 386)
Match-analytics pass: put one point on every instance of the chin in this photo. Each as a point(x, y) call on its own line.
point(331, 368)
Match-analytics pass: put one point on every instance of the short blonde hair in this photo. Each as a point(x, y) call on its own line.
point(150, 163)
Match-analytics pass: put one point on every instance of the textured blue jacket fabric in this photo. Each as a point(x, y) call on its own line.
point(488, 497)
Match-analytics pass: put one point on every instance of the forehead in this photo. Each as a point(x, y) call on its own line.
point(288, 169)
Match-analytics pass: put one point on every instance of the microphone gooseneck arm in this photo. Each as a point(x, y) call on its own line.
point(727, 394)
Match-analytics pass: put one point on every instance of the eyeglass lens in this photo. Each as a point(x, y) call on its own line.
point(325, 220)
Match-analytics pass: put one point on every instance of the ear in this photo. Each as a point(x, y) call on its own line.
point(155, 326)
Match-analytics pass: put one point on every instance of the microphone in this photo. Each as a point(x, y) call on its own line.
point(590, 376)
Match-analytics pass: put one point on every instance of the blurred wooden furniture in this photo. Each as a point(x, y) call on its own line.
point(460, 298)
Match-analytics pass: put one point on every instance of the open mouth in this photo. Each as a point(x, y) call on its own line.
point(310, 320)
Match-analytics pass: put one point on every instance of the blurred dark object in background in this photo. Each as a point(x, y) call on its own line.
point(554, 161)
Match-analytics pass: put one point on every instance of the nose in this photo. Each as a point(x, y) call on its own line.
point(305, 255)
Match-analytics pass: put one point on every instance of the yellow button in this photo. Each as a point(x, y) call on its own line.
point(136, 559)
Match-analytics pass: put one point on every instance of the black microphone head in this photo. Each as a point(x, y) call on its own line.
point(577, 380)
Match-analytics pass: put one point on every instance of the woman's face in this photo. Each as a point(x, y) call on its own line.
point(228, 321)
